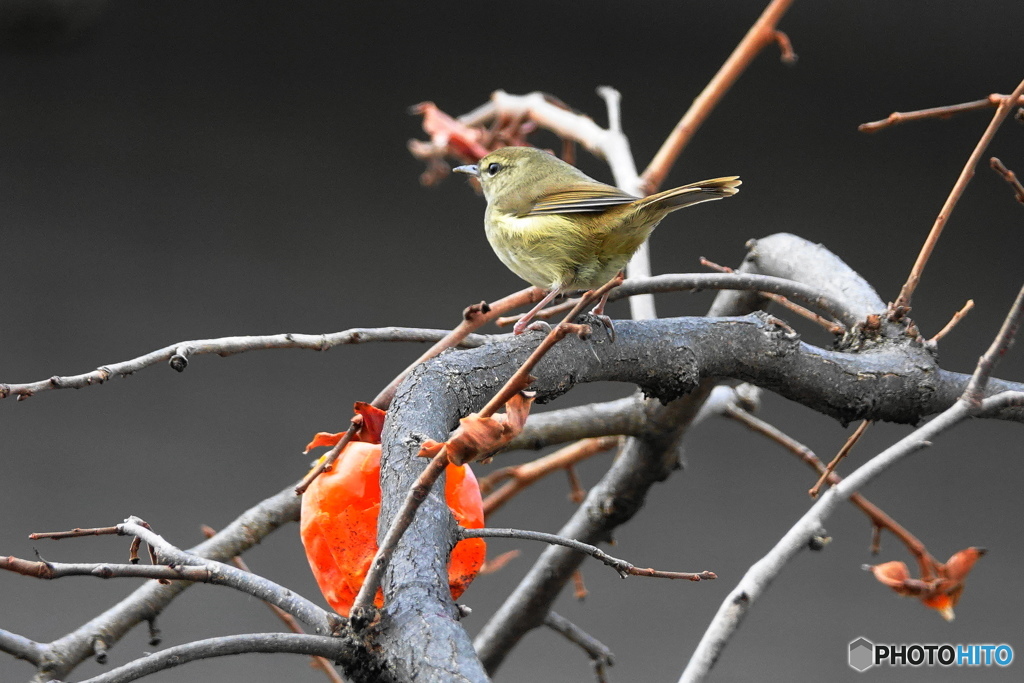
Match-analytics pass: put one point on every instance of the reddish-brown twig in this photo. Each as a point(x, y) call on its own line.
point(829, 325)
point(76, 533)
point(902, 303)
point(957, 317)
point(321, 663)
point(760, 35)
point(843, 452)
point(577, 493)
point(1009, 176)
point(898, 117)
point(579, 586)
point(879, 519)
point(473, 318)
point(526, 474)
point(496, 564)
point(518, 381)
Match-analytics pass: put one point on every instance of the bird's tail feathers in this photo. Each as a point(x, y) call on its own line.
point(694, 193)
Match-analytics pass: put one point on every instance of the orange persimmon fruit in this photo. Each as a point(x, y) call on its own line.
point(339, 523)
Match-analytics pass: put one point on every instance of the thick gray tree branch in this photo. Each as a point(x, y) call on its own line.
point(622, 490)
point(896, 381)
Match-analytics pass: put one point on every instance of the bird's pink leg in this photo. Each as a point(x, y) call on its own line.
point(521, 324)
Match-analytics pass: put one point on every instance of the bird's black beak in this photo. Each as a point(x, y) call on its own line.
point(471, 169)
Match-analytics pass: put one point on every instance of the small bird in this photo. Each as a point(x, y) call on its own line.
point(561, 230)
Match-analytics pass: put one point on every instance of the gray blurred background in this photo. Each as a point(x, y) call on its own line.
point(184, 170)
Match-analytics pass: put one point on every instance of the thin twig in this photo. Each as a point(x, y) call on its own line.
point(247, 643)
point(104, 570)
point(829, 325)
point(1000, 345)
point(696, 282)
point(760, 35)
point(897, 117)
point(288, 620)
point(76, 533)
point(623, 567)
point(523, 476)
point(1009, 176)
point(473, 318)
point(879, 518)
point(843, 452)
point(63, 654)
point(312, 615)
point(902, 303)
point(178, 354)
point(957, 317)
point(579, 586)
point(595, 649)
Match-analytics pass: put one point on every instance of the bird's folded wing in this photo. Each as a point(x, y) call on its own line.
point(580, 200)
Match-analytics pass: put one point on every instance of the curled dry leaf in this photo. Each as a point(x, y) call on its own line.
point(369, 419)
point(478, 438)
point(940, 593)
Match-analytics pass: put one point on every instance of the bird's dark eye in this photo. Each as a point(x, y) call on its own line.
point(492, 169)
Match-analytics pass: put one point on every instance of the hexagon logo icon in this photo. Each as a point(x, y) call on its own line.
point(862, 654)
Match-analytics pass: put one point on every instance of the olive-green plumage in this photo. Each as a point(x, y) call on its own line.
point(559, 229)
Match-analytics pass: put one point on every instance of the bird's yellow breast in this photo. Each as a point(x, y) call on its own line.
point(566, 251)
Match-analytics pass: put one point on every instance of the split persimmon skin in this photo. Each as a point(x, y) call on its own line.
point(339, 524)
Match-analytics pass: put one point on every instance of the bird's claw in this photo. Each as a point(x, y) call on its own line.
point(606, 322)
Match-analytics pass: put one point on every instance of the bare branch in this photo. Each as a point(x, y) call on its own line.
point(595, 649)
point(763, 572)
point(294, 643)
point(105, 570)
point(178, 354)
point(1009, 176)
point(61, 656)
point(288, 620)
point(902, 302)
point(523, 476)
point(831, 327)
point(21, 647)
point(1000, 345)
point(957, 317)
point(946, 112)
point(696, 282)
point(760, 35)
point(623, 567)
point(843, 452)
point(879, 518)
point(225, 575)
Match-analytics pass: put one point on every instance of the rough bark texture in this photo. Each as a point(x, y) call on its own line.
point(894, 379)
